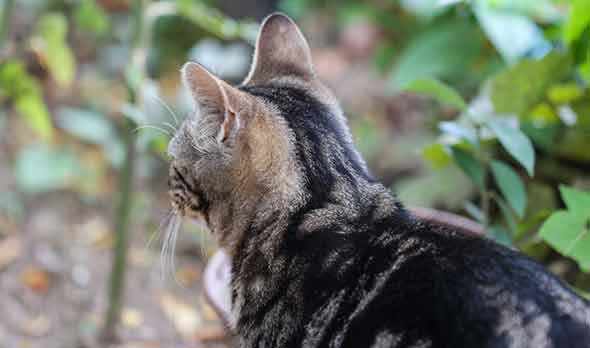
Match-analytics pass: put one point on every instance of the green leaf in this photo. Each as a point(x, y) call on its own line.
point(578, 19)
point(568, 233)
point(500, 235)
point(87, 125)
point(510, 185)
point(513, 34)
point(35, 113)
point(576, 200)
point(384, 56)
point(508, 214)
point(40, 169)
point(437, 52)
point(520, 87)
point(94, 128)
point(475, 212)
point(25, 92)
point(565, 93)
point(469, 165)
point(437, 155)
point(459, 131)
point(90, 16)
point(515, 142)
point(58, 57)
point(439, 91)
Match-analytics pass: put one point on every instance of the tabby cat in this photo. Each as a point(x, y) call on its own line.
point(322, 254)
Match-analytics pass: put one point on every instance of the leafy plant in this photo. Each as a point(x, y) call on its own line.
point(466, 143)
point(568, 231)
point(540, 100)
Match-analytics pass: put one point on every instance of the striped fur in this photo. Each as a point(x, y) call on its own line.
point(323, 255)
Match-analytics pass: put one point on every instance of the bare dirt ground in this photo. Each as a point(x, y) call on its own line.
point(54, 271)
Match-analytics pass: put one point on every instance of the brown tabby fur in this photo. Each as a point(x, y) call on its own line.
point(322, 254)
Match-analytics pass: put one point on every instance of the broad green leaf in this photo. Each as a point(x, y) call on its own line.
point(442, 51)
point(437, 155)
point(576, 200)
point(475, 212)
point(584, 69)
point(35, 113)
point(439, 91)
point(500, 235)
point(543, 114)
point(58, 57)
point(94, 128)
point(508, 214)
point(459, 131)
point(215, 22)
point(40, 168)
point(565, 93)
point(446, 187)
point(513, 34)
point(531, 222)
point(384, 56)
point(520, 87)
point(578, 19)
point(87, 125)
point(515, 142)
point(25, 92)
point(90, 16)
point(568, 233)
point(469, 165)
point(510, 185)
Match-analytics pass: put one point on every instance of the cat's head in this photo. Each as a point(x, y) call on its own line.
point(277, 141)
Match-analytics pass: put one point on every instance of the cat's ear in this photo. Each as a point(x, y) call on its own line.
point(214, 98)
point(281, 50)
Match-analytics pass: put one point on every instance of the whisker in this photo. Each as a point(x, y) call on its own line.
point(169, 125)
point(165, 105)
point(169, 246)
point(152, 127)
point(163, 224)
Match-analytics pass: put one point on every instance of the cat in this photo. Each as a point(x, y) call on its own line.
point(322, 254)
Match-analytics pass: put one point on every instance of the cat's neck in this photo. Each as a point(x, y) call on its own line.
point(265, 222)
point(275, 236)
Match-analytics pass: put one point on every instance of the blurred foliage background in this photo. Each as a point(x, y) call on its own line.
point(478, 107)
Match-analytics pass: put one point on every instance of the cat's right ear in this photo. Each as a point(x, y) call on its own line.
point(281, 50)
point(214, 98)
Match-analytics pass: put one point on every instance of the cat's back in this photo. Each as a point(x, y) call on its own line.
point(467, 291)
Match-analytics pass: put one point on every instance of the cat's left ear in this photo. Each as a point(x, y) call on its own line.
point(281, 50)
point(215, 98)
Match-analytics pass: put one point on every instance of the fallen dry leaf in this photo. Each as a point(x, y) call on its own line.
point(141, 257)
point(96, 232)
point(188, 275)
point(131, 318)
point(10, 249)
point(37, 327)
point(185, 318)
point(36, 279)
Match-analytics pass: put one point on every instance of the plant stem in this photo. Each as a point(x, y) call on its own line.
point(484, 193)
point(126, 179)
point(5, 26)
point(117, 282)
